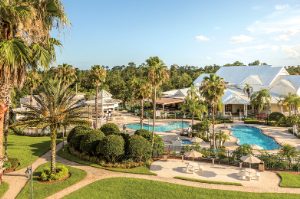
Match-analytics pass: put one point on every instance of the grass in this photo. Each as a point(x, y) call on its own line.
point(137, 170)
point(291, 180)
point(27, 149)
point(208, 181)
point(129, 188)
point(43, 190)
point(3, 188)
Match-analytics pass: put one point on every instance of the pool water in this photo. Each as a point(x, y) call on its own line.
point(254, 136)
point(160, 128)
point(186, 142)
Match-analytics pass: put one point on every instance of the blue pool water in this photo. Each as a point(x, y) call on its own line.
point(254, 136)
point(186, 142)
point(160, 128)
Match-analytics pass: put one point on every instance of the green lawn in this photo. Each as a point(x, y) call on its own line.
point(42, 190)
point(27, 149)
point(208, 181)
point(289, 180)
point(137, 170)
point(3, 188)
point(128, 188)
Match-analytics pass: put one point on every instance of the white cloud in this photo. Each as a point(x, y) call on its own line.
point(291, 51)
point(202, 38)
point(241, 39)
point(281, 7)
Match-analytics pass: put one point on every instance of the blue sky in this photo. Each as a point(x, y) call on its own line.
point(193, 32)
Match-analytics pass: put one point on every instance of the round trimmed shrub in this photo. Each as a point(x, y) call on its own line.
point(111, 147)
point(139, 148)
point(90, 141)
point(110, 129)
point(76, 130)
point(158, 145)
point(76, 139)
point(62, 173)
point(276, 116)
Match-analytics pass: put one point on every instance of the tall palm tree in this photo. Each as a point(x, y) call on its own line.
point(33, 80)
point(261, 99)
point(222, 137)
point(55, 107)
point(288, 152)
point(25, 41)
point(142, 91)
point(193, 104)
point(66, 73)
point(98, 75)
point(157, 75)
point(212, 90)
point(248, 89)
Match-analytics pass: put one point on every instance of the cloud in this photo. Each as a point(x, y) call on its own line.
point(281, 7)
point(241, 39)
point(291, 51)
point(202, 38)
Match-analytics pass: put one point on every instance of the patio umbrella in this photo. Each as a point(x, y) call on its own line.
point(256, 147)
point(193, 154)
point(196, 140)
point(250, 159)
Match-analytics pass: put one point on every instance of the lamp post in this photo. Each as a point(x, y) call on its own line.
point(29, 174)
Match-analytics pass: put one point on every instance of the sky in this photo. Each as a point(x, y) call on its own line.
point(183, 32)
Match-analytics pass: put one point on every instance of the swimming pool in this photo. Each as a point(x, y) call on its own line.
point(160, 128)
point(254, 136)
point(186, 142)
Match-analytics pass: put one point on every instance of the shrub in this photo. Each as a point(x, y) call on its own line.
point(242, 150)
point(76, 130)
point(90, 141)
point(62, 173)
point(139, 148)
point(76, 139)
point(253, 121)
point(158, 146)
point(111, 147)
point(110, 129)
point(276, 116)
point(126, 138)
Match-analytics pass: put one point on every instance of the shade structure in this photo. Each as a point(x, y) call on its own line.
point(196, 140)
point(250, 159)
point(192, 154)
point(256, 147)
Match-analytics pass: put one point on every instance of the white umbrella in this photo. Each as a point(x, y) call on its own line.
point(193, 154)
point(256, 147)
point(250, 159)
point(196, 140)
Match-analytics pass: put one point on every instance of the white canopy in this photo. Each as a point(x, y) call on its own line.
point(193, 154)
point(250, 159)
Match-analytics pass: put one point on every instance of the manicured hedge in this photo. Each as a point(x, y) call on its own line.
point(111, 147)
point(76, 130)
point(90, 141)
point(139, 148)
point(62, 173)
point(110, 129)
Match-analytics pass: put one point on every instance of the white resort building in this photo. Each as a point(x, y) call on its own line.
point(276, 79)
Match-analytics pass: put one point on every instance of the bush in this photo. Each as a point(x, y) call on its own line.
point(76, 130)
point(158, 146)
point(76, 139)
point(62, 173)
point(253, 121)
point(90, 141)
point(276, 116)
point(242, 150)
point(111, 147)
point(126, 138)
point(139, 148)
point(110, 129)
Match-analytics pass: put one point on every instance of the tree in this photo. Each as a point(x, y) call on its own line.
point(222, 137)
point(157, 74)
point(236, 63)
point(193, 104)
point(212, 90)
point(248, 89)
point(142, 91)
point(25, 41)
point(55, 107)
point(98, 75)
point(289, 152)
point(261, 99)
point(66, 73)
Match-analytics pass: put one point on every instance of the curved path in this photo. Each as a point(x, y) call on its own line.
point(17, 180)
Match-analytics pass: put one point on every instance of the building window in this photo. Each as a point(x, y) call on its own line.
point(228, 108)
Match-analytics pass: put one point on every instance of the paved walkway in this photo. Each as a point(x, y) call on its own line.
point(17, 180)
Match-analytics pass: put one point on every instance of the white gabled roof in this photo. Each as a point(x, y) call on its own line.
point(235, 96)
point(199, 79)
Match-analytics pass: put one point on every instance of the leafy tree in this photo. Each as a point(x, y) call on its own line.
point(157, 74)
point(248, 89)
point(288, 152)
point(98, 75)
point(261, 99)
point(242, 150)
point(112, 147)
point(55, 105)
point(212, 90)
point(236, 63)
point(139, 148)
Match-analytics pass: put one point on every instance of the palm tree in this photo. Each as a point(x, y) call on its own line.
point(222, 137)
point(33, 80)
point(25, 41)
point(212, 89)
point(142, 91)
point(98, 75)
point(288, 101)
point(193, 104)
point(289, 152)
point(55, 108)
point(248, 89)
point(66, 73)
point(157, 75)
point(261, 99)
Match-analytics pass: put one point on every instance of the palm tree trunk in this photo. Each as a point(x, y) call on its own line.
point(53, 149)
point(96, 107)
point(213, 126)
point(142, 113)
point(31, 96)
point(154, 115)
point(64, 134)
point(102, 112)
point(6, 126)
point(193, 115)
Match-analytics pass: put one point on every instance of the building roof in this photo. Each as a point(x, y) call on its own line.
point(167, 100)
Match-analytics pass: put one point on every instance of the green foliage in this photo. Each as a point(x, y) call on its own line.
point(276, 116)
point(11, 163)
point(62, 173)
point(110, 129)
point(111, 147)
point(76, 139)
point(139, 148)
point(90, 141)
point(290, 180)
point(253, 121)
point(242, 150)
point(75, 130)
